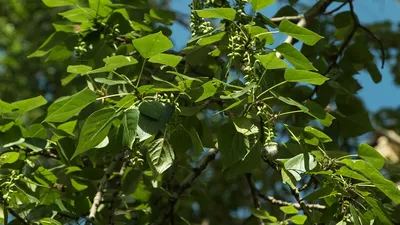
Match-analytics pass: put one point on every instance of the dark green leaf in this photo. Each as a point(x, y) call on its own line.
point(94, 130)
point(66, 107)
point(130, 122)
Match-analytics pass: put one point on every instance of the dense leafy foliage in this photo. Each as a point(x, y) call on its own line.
point(254, 118)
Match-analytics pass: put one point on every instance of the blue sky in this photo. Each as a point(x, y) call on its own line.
point(375, 96)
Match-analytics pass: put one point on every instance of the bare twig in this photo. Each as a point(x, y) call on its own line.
point(254, 192)
point(307, 185)
point(278, 19)
point(117, 191)
point(102, 183)
point(337, 8)
point(378, 40)
point(390, 134)
point(187, 183)
point(285, 203)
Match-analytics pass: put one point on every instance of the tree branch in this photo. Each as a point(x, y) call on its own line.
point(278, 19)
point(390, 134)
point(187, 183)
point(337, 8)
point(97, 198)
point(254, 192)
point(285, 203)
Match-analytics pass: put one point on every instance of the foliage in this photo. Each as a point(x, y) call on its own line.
point(139, 124)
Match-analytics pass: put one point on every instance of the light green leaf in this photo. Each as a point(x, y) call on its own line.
point(94, 130)
point(28, 104)
point(298, 219)
point(377, 210)
point(78, 69)
point(66, 107)
point(293, 75)
point(261, 34)
point(245, 125)
point(9, 157)
point(184, 77)
point(233, 145)
point(237, 94)
point(300, 164)
point(262, 214)
point(130, 123)
point(371, 155)
point(208, 90)
point(58, 3)
point(161, 155)
point(224, 13)
point(289, 209)
point(260, 4)
point(319, 134)
point(109, 82)
point(79, 15)
point(152, 44)
point(211, 39)
point(166, 59)
point(270, 61)
point(114, 62)
point(49, 221)
point(346, 172)
point(302, 34)
point(77, 185)
point(296, 58)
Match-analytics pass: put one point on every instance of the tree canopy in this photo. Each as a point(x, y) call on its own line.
point(102, 121)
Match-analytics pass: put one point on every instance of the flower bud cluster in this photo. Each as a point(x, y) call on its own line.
point(198, 25)
point(9, 185)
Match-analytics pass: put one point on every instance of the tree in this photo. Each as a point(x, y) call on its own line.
point(236, 128)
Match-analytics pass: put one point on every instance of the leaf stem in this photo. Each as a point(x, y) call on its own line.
point(269, 89)
point(114, 95)
point(290, 112)
point(141, 71)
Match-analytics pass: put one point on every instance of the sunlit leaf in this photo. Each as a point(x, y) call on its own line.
point(152, 44)
point(302, 34)
point(223, 13)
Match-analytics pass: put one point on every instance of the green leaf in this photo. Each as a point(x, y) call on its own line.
point(196, 141)
point(263, 215)
point(28, 104)
point(371, 155)
point(346, 172)
point(94, 130)
point(260, 4)
point(233, 145)
point(354, 214)
point(49, 221)
point(302, 34)
point(162, 16)
point(224, 13)
point(66, 107)
point(58, 3)
point(207, 90)
point(78, 186)
point(161, 155)
point(296, 58)
point(374, 72)
point(298, 219)
point(211, 39)
point(319, 113)
point(293, 75)
point(237, 94)
point(109, 82)
point(114, 62)
point(300, 164)
point(245, 125)
point(261, 34)
point(9, 157)
point(152, 44)
point(289, 209)
point(78, 69)
point(318, 134)
point(252, 161)
point(270, 61)
point(166, 59)
point(79, 15)
point(377, 210)
point(130, 123)
point(292, 102)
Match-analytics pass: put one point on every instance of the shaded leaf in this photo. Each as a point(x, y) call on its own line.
point(130, 123)
point(161, 155)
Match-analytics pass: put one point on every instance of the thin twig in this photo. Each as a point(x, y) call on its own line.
point(187, 183)
point(102, 183)
point(338, 8)
point(378, 40)
point(307, 185)
point(254, 192)
point(278, 19)
point(285, 203)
